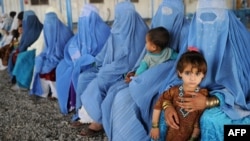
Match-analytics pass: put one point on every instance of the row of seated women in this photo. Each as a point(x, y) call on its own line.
point(85, 71)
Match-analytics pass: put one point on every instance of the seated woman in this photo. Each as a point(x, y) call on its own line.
point(217, 32)
point(117, 57)
point(31, 30)
point(223, 40)
point(79, 55)
point(47, 61)
point(122, 118)
point(26, 59)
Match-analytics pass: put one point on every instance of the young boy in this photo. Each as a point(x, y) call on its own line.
point(157, 51)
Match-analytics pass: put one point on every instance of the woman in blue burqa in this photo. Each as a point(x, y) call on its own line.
point(223, 41)
point(123, 119)
point(52, 53)
point(118, 56)
point(26, 59)
point(32, 28)
point(79, 55)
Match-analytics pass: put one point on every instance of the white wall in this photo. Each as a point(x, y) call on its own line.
point(11, 5)
point(106, 9)
point(191, 5)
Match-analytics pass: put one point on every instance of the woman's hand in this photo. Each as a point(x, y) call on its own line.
point(195, 101)
point(171, 117)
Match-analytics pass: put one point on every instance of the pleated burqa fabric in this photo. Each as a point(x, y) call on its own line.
point(128, 110)
point(224, 42)
point(119, 55)
point(56, 35)
point(79, 54)
point(26, 59)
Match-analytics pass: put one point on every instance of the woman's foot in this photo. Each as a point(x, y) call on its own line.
point(94, 129)
point(77, 124)
point(95, 126)
point(51, 98)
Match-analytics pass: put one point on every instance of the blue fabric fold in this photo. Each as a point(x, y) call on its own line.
point(80, 52)
point(118, 56)
point(23, 69)
point(52, 53)
point(224, 42)
point(32, 28)
point(131, 105)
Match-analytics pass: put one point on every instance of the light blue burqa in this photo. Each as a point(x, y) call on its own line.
point(224, 42)
point(169, 13)
point(80, 52)
point(118, 56)
point(56, 35)
point(23, 67)
point(130, 115)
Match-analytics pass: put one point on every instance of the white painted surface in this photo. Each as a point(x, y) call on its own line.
point(106, 9)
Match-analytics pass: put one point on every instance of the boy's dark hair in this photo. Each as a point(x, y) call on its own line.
point(194, 58)
point(15, 33)
point(12, 14)
point(20, 15)
point(159, 36)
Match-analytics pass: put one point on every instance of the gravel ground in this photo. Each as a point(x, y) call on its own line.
point(28, 118)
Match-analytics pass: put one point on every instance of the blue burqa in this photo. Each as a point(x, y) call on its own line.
point(56, 35)
point(79, 53)
point(118, 56)
point(224, 42)
point(23, 67)
point(127, 110)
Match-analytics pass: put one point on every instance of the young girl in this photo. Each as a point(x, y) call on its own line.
point(157, 51)
point(191, 68)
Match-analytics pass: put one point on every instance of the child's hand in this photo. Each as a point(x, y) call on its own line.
point(172, 118)
point(127, 78)
point(155, 133)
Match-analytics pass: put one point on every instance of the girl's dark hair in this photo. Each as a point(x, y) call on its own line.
point(159, 36)
point(194, 58)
